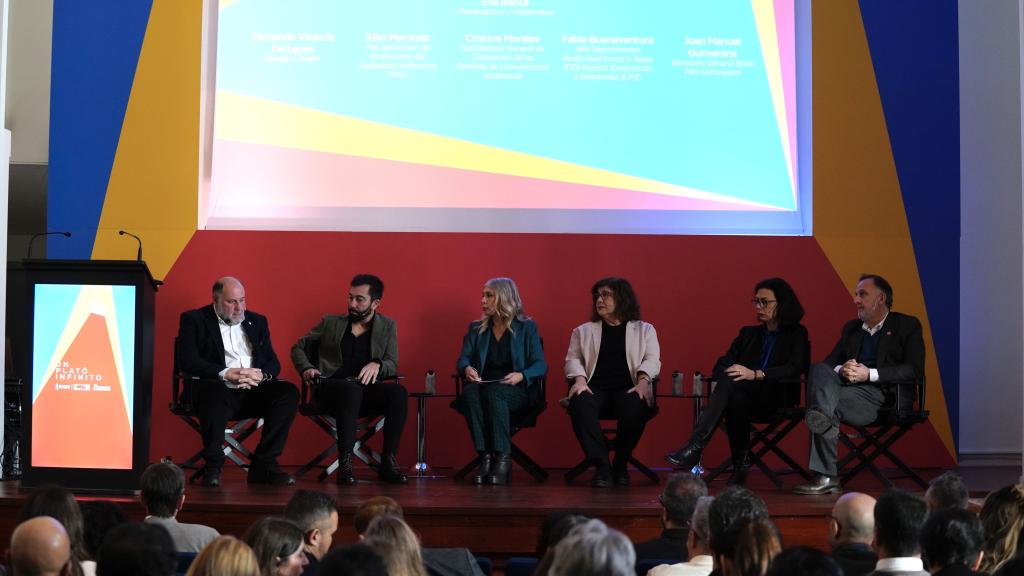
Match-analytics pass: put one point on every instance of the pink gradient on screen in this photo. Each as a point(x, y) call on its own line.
point(257, 175)
point(785, 23)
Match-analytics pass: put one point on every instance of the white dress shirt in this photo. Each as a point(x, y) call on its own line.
point(697, 566)
point(237, 349)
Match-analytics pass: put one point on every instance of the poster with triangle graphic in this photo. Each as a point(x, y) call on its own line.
point(82, 376)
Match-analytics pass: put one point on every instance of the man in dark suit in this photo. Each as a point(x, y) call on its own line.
point(879, 352)
point(229, 349)
point(851, 532)
point(899, 517)
point(355, 351)
point(682, 491)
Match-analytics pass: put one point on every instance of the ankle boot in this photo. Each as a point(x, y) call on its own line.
point(345, 476)
point(739, 471)
point(484, 470)
point(390, 471)
point(501, 468)
point(688, 456)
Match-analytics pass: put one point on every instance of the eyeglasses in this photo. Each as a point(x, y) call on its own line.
point(606, 294)
point(762, 302)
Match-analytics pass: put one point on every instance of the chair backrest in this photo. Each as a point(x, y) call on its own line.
point(520, 566)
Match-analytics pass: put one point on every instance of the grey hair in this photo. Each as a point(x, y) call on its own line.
point(699, 523)
point(594, 549)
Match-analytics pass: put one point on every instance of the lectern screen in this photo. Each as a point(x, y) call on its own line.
point(83, 371)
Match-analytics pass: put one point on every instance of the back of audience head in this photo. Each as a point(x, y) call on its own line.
point(225, 556)
point(137, 549)
point(59, 503)
point(594, 549)
point(952, 537)
point(730, 510)
point(162, 489)
point(899, 516)
point(947, 491)
point(698, 540)
point(376, 506)
point(352, 560)
point(1002, 519)
point(757, 543)
point(316, 514)
point(98, 518)
point(852, 520)
point(40, 547)
point(804, 561)
point(679, 498)
point(547, 526)
point(278, 546)
point(1013, 567)
point(395, 541)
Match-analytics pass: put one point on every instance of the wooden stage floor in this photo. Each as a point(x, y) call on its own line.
point(494, 521)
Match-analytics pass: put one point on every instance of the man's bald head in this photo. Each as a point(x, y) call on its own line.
point(855, 515)
point(229, 300)
point(40, 547)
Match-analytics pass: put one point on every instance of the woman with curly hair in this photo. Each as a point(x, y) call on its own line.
point(1002, 518)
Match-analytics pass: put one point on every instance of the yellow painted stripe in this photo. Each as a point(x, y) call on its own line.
point(859, 217)
point(153, 187)
point(254, 120)
point(764, 15)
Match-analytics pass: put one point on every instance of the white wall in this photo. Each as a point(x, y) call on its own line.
point(991, 243)
point(28, 80)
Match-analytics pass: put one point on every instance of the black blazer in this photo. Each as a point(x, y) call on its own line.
point(900, 349)
point(670, 547)
point(201, 347)
point(855, 559)
point(789, 359)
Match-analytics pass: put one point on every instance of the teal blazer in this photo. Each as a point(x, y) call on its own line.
point(527, 352)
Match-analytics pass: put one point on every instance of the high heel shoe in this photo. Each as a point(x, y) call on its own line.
point(484, 470)
point(501, 468)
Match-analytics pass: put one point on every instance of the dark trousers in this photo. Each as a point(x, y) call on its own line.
point(274, 400)
point(488, 409)
point(738, 402)
point(587, 410)
point(856, 404)
point(348, 400)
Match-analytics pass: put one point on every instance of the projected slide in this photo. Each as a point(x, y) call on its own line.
point(83, 366)
point(618, 116)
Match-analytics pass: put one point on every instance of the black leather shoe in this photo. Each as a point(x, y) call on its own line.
point(269, 474)
point(501, 468)
point(602, 476)
point(484, 470)
point(686, 457)
point(820, 485)
point(390, 471)
point(740, 467)
point(620, 473)
point(211, 476)
point(345, 476)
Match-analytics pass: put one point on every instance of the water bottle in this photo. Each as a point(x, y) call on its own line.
point(677, 383)
point(430, 382)
point(698, 384)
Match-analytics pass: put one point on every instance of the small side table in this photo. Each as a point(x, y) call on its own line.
point(421, 469)
point(698, 407)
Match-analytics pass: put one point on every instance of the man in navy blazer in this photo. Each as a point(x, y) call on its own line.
point(229, 349)
point(878, 353)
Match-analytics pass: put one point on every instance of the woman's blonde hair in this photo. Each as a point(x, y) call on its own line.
point(1002, 518)
point(508, 305)
point(225, 556)
point(756, 545)
point(392, 538)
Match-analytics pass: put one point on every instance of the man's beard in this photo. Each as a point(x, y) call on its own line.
point(227, 319)
point(357, 315)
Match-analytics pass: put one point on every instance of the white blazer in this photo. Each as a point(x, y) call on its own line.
point(642, 351)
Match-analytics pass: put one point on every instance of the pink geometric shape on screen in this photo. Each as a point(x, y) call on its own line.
point(255, 175)
point(785, 23)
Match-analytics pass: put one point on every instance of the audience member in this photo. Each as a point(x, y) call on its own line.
point(946, 491)
point(851, 532)
point(352, 560)
point(804, 561)
point(225, 556)
point(729, 512)
point(98, 518)
point(370, 509)
point(547, 526)
point(316, 514)
point(137, 549)
point(594, 549)
point(58, 503)
point(677, 504)
point(556, 534)
point(40, 547)
point(951, 542)
point(698, 546)
point(1002, 518)
point(392, 538)
point(899, 516)
point(757, 543)
point(162, 493)
point(279, 547)
point(1014, 567)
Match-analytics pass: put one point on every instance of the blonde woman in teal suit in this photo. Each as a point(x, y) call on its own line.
point(501, 360)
